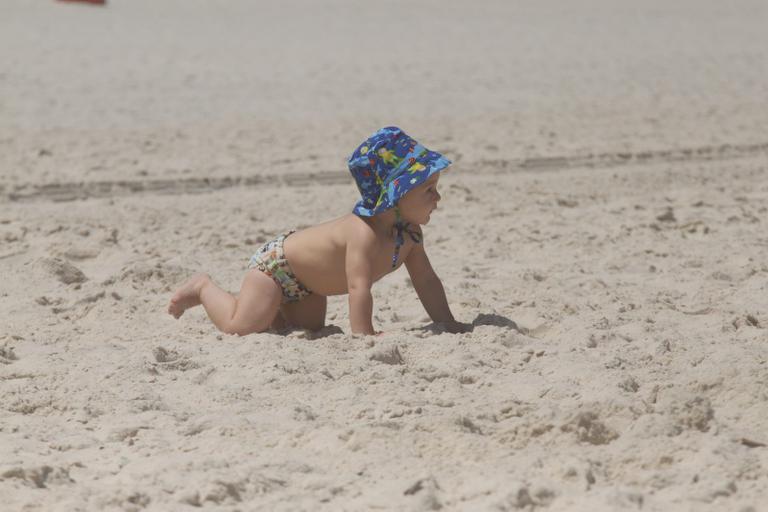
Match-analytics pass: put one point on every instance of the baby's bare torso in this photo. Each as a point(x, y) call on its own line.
point(317, 255)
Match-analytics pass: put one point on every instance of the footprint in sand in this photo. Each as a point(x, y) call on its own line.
point(387, 355)
point(7, 355)
point(629, 385)
point(590, 429)
point(668, 216)
point(64, 271)
point(164, 356)
point(40, 477)
point(170, 360)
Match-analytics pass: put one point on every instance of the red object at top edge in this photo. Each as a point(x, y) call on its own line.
point(95, 2)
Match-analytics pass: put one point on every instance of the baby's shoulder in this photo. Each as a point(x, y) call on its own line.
point(357, 231)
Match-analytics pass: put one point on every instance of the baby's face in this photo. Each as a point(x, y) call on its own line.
point(417, 205)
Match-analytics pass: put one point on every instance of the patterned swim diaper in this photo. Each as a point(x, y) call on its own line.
point(270, 259)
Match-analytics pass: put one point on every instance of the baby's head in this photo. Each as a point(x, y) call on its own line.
point(391, 169)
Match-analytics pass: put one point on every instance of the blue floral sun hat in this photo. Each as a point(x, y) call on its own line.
point(388, 165)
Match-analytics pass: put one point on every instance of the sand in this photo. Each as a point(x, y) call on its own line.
point(603, 228)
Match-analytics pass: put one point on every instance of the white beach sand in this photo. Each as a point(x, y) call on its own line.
point(603, 227)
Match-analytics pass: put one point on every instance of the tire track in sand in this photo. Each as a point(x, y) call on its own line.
point(71, 191)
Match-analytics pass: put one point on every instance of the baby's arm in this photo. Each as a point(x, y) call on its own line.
point(360, 253)
point(430, 289)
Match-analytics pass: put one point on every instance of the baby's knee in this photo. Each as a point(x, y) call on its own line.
point(242, 330)
point(244, 325)
point(314, 325)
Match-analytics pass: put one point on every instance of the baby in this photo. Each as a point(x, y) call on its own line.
point(291, 276)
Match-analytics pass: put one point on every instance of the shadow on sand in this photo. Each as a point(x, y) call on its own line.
point(481, 319)
point(434, 328)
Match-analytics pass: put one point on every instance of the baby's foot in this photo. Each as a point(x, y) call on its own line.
point(187, 296)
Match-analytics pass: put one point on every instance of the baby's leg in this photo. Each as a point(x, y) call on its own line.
point(253, 310)
point(308, 313)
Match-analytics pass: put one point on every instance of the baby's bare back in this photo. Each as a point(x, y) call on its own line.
point(317, 254)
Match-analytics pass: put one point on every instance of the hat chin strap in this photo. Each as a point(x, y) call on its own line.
point(401, 226)
point(398, 215)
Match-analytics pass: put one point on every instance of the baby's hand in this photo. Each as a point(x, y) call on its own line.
point(457, 327)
